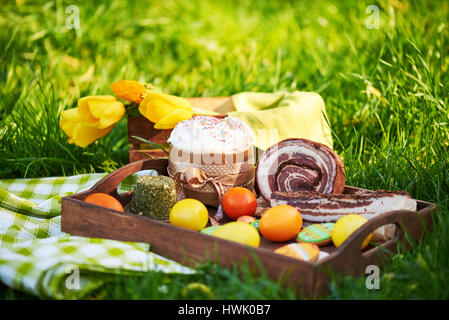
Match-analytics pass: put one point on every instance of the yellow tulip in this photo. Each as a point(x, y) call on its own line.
point(100, 111)
point(164, 110)
point(94, 118)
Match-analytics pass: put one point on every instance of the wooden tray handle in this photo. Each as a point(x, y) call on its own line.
point(110, 183)
point(350, 254)
point(354, 242)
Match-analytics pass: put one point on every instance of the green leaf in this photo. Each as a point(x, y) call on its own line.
point(151, 143)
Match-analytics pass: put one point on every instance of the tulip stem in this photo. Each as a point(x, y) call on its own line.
point(149, 142)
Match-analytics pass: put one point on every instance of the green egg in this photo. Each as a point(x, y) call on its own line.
point(209, 230)
point(316, 233)
point(255, 224)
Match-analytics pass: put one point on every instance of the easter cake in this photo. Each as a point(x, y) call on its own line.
point(210, 155)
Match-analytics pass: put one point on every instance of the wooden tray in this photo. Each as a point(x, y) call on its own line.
point(189, 247)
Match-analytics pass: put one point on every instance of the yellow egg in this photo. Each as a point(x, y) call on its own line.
point(239, 232)
point(345, 226)
point(190, 214)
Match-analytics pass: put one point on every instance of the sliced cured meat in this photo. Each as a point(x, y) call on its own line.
point(318, 207)
point(299, 164)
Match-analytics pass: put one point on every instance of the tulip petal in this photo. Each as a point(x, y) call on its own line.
point(69, 118)
point(97, 108)
point(83, 110)
point(83, 136)
point(157, 105)
point(168, 99)
point(98, 105)
point(113, 114)
point(91, 107)
point(103, 98)
point(155, 112)
point(173, 118)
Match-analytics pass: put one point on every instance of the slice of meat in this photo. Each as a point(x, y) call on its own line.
point(318, 207)
point(299, 164)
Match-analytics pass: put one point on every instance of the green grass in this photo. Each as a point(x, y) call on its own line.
point(212, 48)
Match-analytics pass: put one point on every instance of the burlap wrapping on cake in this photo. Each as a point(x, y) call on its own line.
point(206, 177)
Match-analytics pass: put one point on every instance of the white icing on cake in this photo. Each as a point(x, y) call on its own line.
point(203, 134)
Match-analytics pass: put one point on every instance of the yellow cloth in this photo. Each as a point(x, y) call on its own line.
point(281, 115)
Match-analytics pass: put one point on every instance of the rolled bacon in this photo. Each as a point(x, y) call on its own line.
point(299, 164)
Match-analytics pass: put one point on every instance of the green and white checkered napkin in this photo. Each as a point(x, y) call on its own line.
point(36, 257)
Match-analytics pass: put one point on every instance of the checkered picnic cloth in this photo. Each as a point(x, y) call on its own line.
point(36, 257)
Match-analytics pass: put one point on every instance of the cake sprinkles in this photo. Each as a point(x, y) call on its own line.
point(212, 134)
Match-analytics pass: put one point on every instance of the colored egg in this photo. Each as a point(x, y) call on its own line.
point(319, 234)
point(239, 232)
point(238, 202)
point(190, 214)
point(255, 224)
point(280, 223)
point(345, 226)
point(209, 230)
point(104, 200)
point(301, 251)
point(246, 219)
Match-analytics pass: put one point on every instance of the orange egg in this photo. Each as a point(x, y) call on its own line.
point(280, 223)
point(104, 200)
point(239, 202)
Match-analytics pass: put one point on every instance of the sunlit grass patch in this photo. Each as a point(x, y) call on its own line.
point(386, 94)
